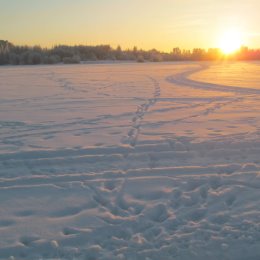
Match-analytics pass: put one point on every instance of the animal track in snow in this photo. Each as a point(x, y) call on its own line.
point(133, 133)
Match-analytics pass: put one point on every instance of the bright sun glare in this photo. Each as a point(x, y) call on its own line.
point(230, 41)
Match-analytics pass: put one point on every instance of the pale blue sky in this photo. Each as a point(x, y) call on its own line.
point(162, 24)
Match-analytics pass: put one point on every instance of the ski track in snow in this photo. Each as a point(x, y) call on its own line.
point(130, 161)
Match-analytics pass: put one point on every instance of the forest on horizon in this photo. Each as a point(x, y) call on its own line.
point(11, 54)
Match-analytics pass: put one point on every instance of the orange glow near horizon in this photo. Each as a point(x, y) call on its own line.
point(231, 41)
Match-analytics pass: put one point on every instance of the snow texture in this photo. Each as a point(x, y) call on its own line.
point(130, 161)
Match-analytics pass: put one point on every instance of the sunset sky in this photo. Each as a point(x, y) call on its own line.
point(161, 24)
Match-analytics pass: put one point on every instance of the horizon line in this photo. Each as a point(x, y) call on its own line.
point(115, 46)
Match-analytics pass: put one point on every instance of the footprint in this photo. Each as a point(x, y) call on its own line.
point(230, 200)
point(131, 132)
point(25, 213)
point(153, 161)
point(192, 185)
point(215, 182)
point(220, 218)
point(134, 119)
point(67, 231)
point(158, 213)
point(197, 215)
point(47, 137)
point(204, 192)
point(67, 212)
point(110, 185)
point(6, 223)
point(177, 193)
point(28, 240)
point(99, 144)
point(101, 200)
point(115, 133)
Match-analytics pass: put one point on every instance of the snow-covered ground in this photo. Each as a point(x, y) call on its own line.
point(130, 162)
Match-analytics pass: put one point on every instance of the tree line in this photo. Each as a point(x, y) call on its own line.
point(11, 54)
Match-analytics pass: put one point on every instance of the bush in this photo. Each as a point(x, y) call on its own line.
point(156, 58)
point(140, 58)
point(30, 57)
point(71, 60)
point(34, 58)
point(14, 59)
point(52, 59)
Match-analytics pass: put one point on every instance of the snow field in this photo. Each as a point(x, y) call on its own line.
point(130, 161)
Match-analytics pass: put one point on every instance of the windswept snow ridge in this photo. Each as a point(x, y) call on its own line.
point(130, 162)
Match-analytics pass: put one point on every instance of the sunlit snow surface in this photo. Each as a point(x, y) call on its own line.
point(130, 161)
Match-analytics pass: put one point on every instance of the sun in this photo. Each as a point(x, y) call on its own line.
point(230, 41)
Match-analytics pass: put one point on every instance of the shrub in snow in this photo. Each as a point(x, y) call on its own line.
point(72, 60)
point(30, 58)
point(34, 58)
point(140, 58)
point(14, 59)
point(52, 59)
